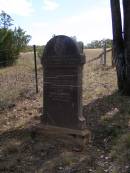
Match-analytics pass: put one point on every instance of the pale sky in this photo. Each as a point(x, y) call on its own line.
point(86, 19)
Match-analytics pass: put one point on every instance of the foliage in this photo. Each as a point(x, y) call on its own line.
point(11, 41)
point(7, 50)
point(28, 48)
point(20, 39)
point(5, 20)
point(99, 44)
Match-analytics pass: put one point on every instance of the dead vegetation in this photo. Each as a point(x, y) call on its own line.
point(107, 114)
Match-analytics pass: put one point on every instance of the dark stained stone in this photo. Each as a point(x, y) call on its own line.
point(62, 99)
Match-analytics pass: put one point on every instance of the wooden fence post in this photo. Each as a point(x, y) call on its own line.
point(112, 57)
point(104, 49)
point(35, 63)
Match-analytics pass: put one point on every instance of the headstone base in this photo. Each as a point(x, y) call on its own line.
point(79, 137)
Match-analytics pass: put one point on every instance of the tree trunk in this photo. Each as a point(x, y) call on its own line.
point(126, 9)
point(118, 45)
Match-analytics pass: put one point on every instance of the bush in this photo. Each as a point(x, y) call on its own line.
point(11, 41)
point(8, 53)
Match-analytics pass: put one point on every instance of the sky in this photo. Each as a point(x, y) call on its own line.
point(86, 19)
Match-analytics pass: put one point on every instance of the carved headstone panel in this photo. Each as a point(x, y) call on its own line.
point(62, 98)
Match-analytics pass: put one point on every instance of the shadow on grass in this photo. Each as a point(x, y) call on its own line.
point(23, 151)
point(107, 117)
point(103, 68)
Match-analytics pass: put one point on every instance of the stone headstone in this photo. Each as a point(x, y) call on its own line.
point(62, 80)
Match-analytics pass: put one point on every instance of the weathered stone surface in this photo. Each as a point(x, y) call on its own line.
point(62, 99)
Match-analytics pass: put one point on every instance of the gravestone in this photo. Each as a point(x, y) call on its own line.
point(62, 80)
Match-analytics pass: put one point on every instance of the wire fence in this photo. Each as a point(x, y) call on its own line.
point(25, 78)
point(18, 80)
point(99, 76)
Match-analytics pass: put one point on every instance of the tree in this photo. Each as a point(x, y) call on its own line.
point(99, 44)
point(21, 39)
point(5, 20)
point(126, 9)
point(7, 52)
point(118, 46)
point(11, 41)
point(121, 44)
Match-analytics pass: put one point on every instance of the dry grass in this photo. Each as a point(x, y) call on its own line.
point(98, 80)
point(17, 80)
point(107, 115)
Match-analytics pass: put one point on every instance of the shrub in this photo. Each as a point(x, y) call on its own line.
point(8, 54)
point(11, 41)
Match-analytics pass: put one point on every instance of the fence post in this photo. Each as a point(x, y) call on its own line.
point(35, 63)
point(104, 48)
point(112, 57)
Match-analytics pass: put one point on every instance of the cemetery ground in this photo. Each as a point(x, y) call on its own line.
point(107, 112)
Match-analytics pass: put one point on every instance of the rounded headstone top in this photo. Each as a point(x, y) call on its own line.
point(61, 45)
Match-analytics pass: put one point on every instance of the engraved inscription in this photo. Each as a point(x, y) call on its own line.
point(62, 65)
point(60, 94)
